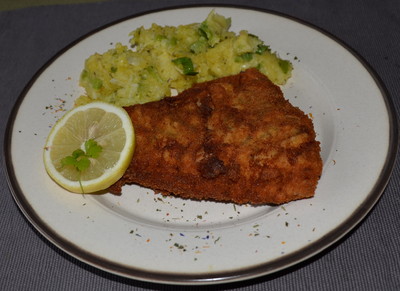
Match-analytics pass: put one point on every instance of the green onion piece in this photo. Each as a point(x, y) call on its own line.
point(205, 31)
point(284, 65)
point(186, 65)
point(199, 46)
point(160, 37)
point(261, 48)
point(84, 74)
point(97, 83)
point(246, 57)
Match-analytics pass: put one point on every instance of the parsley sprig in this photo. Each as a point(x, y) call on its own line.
point(80, 159)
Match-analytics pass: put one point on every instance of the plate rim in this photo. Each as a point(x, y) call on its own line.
point(302, 254)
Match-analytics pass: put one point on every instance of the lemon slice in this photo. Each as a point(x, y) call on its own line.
point(106, 126)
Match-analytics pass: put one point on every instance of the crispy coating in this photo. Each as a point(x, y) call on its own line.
point(234, 139)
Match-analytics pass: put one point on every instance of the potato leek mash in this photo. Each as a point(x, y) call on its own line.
point(162, 58)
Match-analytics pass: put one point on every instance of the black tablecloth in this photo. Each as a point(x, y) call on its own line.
point(368, 258)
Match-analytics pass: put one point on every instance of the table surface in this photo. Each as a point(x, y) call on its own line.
point(368, 258)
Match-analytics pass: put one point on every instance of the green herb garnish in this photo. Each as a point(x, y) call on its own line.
point(80, 158)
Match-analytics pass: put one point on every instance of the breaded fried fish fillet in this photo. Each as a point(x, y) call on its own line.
point(234, 139)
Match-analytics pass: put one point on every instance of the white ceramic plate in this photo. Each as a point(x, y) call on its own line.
point(149, 237)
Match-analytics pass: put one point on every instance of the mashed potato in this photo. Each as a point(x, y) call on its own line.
point(167, 57)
